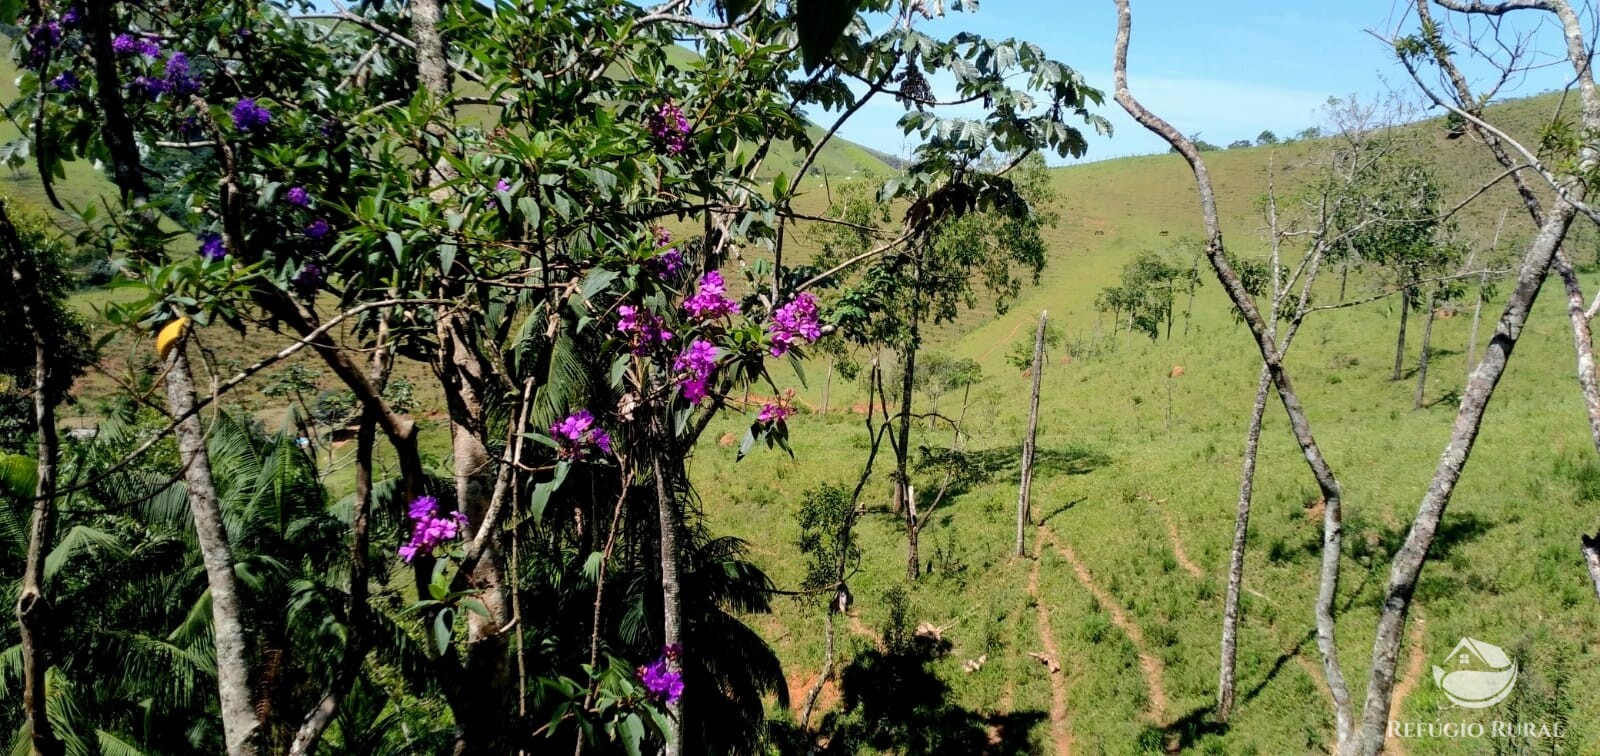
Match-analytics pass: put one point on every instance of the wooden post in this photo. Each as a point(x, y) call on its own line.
point(1033, 429)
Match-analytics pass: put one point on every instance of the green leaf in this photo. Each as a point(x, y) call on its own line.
point(442, 625)
point(820, 22)
point(541, 492)
point(596, 282)
point(631, 729)
point(476, 607)
point(749, 441)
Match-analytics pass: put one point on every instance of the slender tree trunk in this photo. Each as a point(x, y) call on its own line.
point(903, 447)
point(827, 671)
point(1408, 562)
point(1588, 383)
point(1400, 343)
point(1244, 303)
point(1344, 276)
point(33, 606)
point(827, 383)
point(317, 721)
point(482, 698)
point(1025, 489)
point(670, 524)
point(241, 730)
point(961, 421)
point(1422, 360)
point(1241, 532)
point(1477, 313)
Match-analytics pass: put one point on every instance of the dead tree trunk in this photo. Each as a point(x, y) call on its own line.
point(1241, 531)
point(1244, 303)
point(1477, 314)
point(827, 383)
point(1025, 490)
point(902, 449)
point(240, 728)
point(1422, 360)
point(33, 606)
point(1407, 565)
point(1400, 343)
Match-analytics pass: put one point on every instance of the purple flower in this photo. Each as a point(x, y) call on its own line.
point(575, 434)
point(774, 412)
point(128, 44)
point(65, 81)
point(794, 322)
point(662, 679)
point(502, 185)
point(41, 38)
point(645, 329)
point(309, 279)
point(179, 77)
point(668, 264)
point(695, 365)
point(212, 248)
point(152, 86)
point(298, 196)
point(429, 529)
point(663, 236)
point(248, 116)
point(72, 16)
point(318, 229)
point(709, 302)
point(670, 126)
point(190, 127)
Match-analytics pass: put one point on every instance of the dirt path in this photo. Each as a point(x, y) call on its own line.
point(1408, 680)
point(996, 731)
point(862, 630)
point(1060, 729)
point(1153, 669)
point(1177, 545)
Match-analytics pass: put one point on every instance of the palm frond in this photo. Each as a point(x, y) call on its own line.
point(114, 745)
point(82, 540)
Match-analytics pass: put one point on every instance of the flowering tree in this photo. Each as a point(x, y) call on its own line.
point(481, 188)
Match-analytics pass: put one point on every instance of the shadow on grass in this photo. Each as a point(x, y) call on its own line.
point(894, 701)
point(969, 468)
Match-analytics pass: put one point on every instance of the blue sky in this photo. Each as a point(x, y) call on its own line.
point(1226, 69)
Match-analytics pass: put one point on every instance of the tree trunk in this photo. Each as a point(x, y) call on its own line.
point(1477, 313)
point(482, 697)
point(961, 420)
point(1241, 532)
point(1400, 344)
point(1422, 360)
point(902, 451)
point(1590, 546)
point(1408, 562)
point(33, 607)
point(827, 383)
point(827, 671)
point(669, 522)
point(1344, 276)
point(240, 728)
point(317, 721)
point(1025, 489)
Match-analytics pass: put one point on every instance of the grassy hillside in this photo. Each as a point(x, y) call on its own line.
point(1140, 475)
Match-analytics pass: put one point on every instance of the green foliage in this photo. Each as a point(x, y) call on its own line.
point(41, 268)
point(1150, 287)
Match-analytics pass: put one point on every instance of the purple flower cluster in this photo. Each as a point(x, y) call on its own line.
point(645, 329)
point(577, 433)
point(72, 16)
point(429, 529)
point(66, 81)
point(298, 196)
point(794, 322)
point(662, 681)
point(710, 301)
point(41, 39)
point(696, 364)
point(180, 77)
point(309, 279)
point(212, 248)
point(128, 44)
point(318, 229)
point(774, 412)
point(668, 263)
point(248, 116)
point(670, 126)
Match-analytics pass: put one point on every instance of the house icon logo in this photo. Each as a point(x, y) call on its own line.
point(1477, 675)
